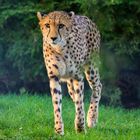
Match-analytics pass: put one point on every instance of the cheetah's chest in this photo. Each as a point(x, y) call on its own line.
point(73, 65)
point(63, 65)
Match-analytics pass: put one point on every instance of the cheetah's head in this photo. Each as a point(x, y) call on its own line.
point(55, 27)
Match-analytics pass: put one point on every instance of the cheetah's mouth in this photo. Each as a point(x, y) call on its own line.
point(59, 43)
point(54, 43)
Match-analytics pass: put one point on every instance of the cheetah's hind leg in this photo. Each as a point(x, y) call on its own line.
point(71, 89)
point(93, 78)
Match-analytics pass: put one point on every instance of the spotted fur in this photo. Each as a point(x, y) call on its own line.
point(69, 41)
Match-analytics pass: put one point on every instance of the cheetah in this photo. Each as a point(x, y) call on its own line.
point(69, 41)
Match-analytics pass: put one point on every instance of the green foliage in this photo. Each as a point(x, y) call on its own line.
point(111, 96)
point(31, 118)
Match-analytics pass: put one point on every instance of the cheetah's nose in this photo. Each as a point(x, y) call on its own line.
point(53, 38)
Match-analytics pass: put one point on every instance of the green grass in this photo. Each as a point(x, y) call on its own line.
point(31, 118)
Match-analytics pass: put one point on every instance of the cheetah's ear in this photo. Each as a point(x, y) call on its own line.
point(71, 14)
point(41, 15)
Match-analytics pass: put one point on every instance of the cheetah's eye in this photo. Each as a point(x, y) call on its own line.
point(60, 26)
point(47, 25)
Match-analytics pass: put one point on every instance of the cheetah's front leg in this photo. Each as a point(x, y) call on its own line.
point(79, 105)
point(57, 99)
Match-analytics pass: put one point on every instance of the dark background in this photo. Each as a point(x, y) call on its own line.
point(21, 63)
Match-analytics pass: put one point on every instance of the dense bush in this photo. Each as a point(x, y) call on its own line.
point(21, 60)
